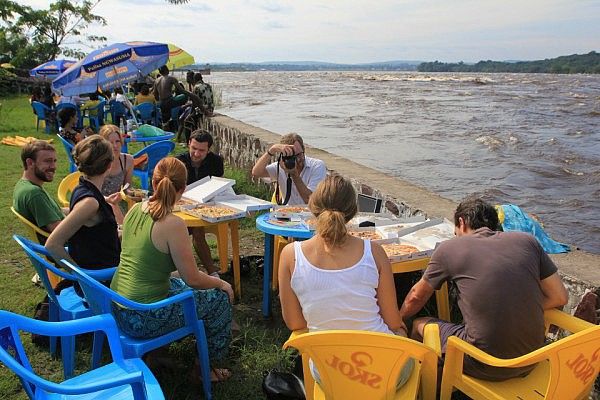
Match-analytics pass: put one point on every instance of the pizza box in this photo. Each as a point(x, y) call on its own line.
point(395, 230)
point(205, 189)
point(430, 233)
point(368, 232)
point(243, 202)
point(422, 253)
point(383, 219)
point(235, 213)
point(293, 213)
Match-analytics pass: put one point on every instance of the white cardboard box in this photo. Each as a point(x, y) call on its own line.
point(207, 188)
point(430, 233)
point(422, 253)
point(243, 202)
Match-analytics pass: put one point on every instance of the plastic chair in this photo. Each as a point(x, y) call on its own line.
point(37, 233)
point(121, 379)
point(366, 365)
point(156, 152)
point(95, 120)
point(65, 306)
point(566, 369)
point(100, 299)
point(175, 116)
point(147, 113)
point(69, 150)
point(117, 111)
point(66, 186)
point(42, 112)
point(279, 242)
point(61, 106)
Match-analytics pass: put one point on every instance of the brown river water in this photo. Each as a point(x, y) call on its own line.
point(527, 139)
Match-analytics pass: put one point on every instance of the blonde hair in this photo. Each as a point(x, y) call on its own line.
point(334, 204)
point(108, 130)
point(170, 176)
point(93, 155)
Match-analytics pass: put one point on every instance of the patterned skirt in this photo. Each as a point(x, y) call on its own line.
point(212, 307)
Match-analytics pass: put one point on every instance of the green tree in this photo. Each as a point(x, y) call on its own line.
point(30, 36)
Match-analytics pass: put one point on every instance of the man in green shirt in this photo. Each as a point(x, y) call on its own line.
point(29, 198)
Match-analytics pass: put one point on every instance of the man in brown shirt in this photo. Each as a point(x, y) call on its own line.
point(163, 90)
point(505, 282)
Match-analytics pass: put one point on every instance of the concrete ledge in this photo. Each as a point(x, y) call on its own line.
point(241, 144)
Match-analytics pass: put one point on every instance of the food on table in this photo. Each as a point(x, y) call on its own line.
point(293, 209)
point(211, 211)
point(398, 249)
point(371, 235)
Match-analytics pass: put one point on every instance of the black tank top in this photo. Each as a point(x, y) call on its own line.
point(98, 246)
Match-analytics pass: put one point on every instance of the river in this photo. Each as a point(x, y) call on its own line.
point(527, 139)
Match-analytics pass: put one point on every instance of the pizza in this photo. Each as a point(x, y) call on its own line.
point(211, 212)
point(136, 194)
point(371, 235)
point(293, 209)
point(398, 249)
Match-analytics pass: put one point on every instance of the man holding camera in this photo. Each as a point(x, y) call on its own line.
point(304, 172)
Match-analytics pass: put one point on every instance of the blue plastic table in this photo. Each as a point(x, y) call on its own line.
point(270, 230)
point(135, 138)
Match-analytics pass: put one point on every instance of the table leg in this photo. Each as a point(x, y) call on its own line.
point(267, 265)
point(235, 250)
point(223, 245)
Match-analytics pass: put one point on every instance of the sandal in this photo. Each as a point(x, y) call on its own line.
point(216, 374)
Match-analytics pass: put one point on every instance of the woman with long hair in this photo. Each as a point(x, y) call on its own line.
point(156, 244)
point(121, 169)
point(334, 280)
point(90, 228)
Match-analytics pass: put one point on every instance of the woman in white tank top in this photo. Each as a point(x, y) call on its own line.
point(335, 280)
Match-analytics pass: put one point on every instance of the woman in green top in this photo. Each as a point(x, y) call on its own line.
point(157, 262)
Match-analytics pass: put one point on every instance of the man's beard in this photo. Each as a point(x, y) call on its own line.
point(41, 175)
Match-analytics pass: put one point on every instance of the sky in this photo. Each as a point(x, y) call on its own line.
point(357, 31)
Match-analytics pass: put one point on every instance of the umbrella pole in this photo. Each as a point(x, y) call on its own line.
point(124, 88)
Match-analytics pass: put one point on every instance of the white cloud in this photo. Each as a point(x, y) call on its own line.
point(358, 30)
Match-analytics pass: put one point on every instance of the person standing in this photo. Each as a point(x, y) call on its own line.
point(163, 90)
point(505, 281)
point(200, 162)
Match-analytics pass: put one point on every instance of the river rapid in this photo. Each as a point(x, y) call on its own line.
point(527, 139)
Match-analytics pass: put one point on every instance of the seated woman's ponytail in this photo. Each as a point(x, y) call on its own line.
point(334, 204)
point(170, 177)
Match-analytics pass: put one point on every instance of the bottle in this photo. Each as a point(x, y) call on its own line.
point(122, 127)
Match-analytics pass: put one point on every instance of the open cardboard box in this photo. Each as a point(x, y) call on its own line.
point(422, 252)
point(430, 233)
point(196, 212)
point(205, 189)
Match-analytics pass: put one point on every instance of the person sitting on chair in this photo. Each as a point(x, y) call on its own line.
point(163, 90)
point(200, 162)
point(68, 122)
point(121, 169)
point(144, 95)
point(29, 197)
point(505, 281)
point(155, 245)
point(337, 281)
point(90, 228)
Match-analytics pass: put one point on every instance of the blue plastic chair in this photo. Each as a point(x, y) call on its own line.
point(121, 379)
point(69, 150)
point(42, 113)
point(100, 299)
point(61, 106)
point(67, 305)
point(96, 120)
point(147, 113)
point(175, 116)
point(118, 111)
point(156, 152)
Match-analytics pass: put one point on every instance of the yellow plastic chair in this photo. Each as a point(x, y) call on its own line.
point(66, 186)
point(35, 230)
point(566, 369)
point(366, 365)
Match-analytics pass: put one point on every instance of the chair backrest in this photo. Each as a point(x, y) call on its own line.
point(35, 230)
point(117, 108)
point(156, 152)
point(13, 355)
point(40, 109)
point(364, 365)
point(145, 110)
point(36, 253)
point(69, 150)
point(66, 186)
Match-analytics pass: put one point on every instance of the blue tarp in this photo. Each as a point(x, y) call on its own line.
point(513, 218)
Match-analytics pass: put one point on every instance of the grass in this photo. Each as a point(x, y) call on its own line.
point(256, 349)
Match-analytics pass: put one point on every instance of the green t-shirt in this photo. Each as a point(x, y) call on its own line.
point(35, 204)
point(144, 271)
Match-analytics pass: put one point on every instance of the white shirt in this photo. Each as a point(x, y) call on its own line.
point(312, 174)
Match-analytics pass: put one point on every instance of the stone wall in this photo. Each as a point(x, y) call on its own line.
point(241, 144)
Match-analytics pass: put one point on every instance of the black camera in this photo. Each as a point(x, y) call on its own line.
point(288, 161)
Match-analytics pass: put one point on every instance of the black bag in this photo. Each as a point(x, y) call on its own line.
point(42, 312)
point(283, 386)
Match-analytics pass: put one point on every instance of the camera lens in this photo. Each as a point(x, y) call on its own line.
point(290, 162)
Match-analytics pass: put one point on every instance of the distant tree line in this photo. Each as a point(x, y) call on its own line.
point(573, 64)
